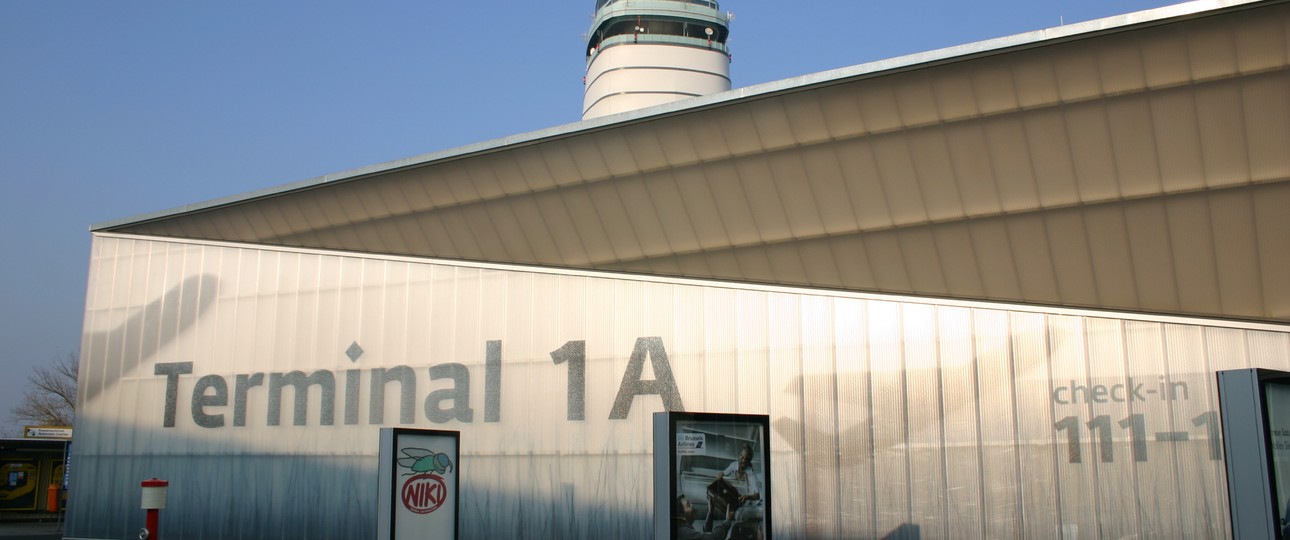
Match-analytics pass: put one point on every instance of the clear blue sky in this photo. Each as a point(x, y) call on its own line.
point(113, 109)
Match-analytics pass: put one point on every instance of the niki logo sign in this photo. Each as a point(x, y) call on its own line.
point(418, 484)
point(425, 490)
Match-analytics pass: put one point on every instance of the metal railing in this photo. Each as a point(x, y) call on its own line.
point(707, 3)
point(659, 39)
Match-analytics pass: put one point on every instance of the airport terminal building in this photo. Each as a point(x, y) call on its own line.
point(980, 292)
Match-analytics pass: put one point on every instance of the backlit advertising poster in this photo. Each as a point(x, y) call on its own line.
point(418, 484)
point(712, 476)
point(18, 484)
point(1277, 400)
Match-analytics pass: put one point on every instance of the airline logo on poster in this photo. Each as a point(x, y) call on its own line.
point(690, 444)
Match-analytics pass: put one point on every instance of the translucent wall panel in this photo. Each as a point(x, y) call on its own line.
point(256, 380)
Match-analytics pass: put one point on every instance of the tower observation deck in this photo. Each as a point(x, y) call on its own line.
point(648, 52)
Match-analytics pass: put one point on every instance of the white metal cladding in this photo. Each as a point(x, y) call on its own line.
point(634, 76)
point(1132, 168)
point(962, 420)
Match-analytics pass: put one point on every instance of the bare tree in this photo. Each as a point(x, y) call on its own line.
point(51, 394)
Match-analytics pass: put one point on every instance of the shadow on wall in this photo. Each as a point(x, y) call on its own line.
point(319, 497)
point(220, 496)
point(907, 531)
point(143, 333)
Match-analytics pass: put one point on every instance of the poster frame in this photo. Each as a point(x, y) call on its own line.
point(388, 486)
point(667, 464)
point(1248, 452)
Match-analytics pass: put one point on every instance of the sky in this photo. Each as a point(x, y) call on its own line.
point(109, 110)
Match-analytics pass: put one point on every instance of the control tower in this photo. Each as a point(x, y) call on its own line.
point(648, 52)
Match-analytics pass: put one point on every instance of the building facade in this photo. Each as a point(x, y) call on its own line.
point(260, 392)
point(980, 292)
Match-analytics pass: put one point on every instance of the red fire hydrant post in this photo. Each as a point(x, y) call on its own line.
point(154, 499)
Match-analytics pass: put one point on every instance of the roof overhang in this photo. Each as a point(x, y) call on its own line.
point(1138, 163)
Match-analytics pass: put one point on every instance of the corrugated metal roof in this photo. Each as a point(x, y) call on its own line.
point(1138, 163)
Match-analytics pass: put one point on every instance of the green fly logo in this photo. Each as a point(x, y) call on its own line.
point(425, 491)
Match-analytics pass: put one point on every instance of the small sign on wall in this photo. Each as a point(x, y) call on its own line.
point(418, 484)
point(47, 432)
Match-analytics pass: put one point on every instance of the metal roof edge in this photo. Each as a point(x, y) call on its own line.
point(1000, 44)
point(1262, 325)
point(1032, 38)
point(387, 166)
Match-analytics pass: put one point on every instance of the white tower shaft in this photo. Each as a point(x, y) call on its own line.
point(642, 53)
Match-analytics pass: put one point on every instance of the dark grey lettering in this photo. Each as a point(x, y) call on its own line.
point(322, 378)
point(407, 380)
point(1057, 396)
point(459, 394)
point(172, 371)
point(1099, 394)
point(240, 388)
point(352, 378)
point(575, 354)
point(1076, 390)
point(1136, 391)
point(664, 385)
point(201, 400)
point(493, 381)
